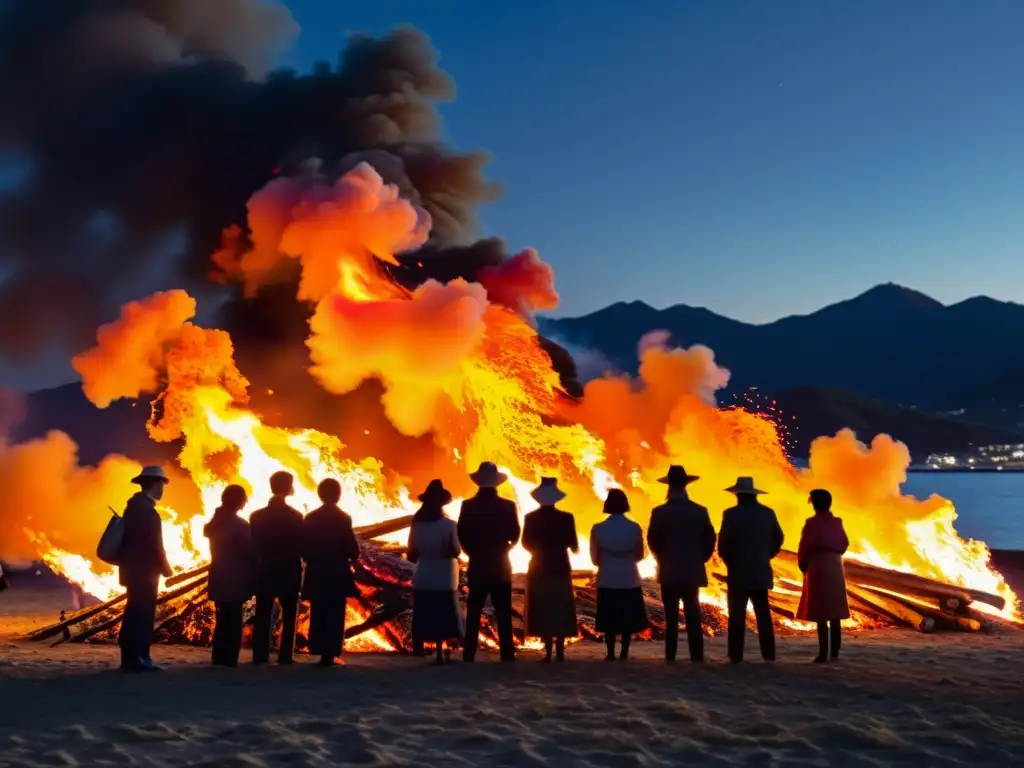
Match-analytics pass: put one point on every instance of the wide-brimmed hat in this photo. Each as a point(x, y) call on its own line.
point(152, 472)
point(677, 476)
point(435, 493)
point(548, 493)
point(488, 476)
point(745, 485)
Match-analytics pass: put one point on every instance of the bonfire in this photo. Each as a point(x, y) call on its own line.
point(461, 362)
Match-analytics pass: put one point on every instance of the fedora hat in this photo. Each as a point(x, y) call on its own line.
point(435, 493)
point(548, 493)
point(745, 485)
point(677, 476)
point(488, 476)
point(152, 472)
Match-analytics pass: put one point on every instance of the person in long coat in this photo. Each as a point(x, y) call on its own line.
point(277, 534)
point(233, 568)
point(434, 548)
point(823, 600)
point(616, 546)
point(141, 562)
point(488, 529)
point(682, 540)
point(750, 538)
point(329, 548)
point(549, 535)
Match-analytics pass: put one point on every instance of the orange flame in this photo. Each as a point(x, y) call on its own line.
point(459, 362)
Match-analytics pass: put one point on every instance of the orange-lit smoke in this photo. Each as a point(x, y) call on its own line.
point(522, 283)
point(50, 501)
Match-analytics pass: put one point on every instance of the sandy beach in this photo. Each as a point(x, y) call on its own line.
point(895, 698)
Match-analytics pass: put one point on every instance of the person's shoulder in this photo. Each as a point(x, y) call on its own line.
point(660, 509)
point(507, 504)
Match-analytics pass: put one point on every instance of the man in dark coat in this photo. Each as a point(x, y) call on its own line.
point(682, 540)
point(277, 534)
point(488, 528)
point(141, 562)
point(750, 537)
point(329, 548)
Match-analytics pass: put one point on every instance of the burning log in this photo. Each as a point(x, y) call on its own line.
point(383, 529)
point(178, 578)
point(78, 617)
point(909, 583)
point(951, 620)
point(894, 609)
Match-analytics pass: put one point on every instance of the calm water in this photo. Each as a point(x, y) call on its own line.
point(989, 505)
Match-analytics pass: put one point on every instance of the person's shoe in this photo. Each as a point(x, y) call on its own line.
point(819, 659)
point(285, 660)
point(834, 657)
point(546, 659)
point(149, 666)
point(560, 658)
point(610, 657)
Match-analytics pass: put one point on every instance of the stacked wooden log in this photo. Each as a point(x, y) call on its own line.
point(380, 618)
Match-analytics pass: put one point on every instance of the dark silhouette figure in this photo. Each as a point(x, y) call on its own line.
point(434, 547)
point(233, 569)
point(750, 537)
point(682, 540)
point(823, 542)
point(141, 563)
point(329, 548)
point(616, 546)
point(549, 534)
point(488, 528)
point(277, 534)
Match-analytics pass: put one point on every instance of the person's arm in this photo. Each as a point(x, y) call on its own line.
point(454, 544)
point(514, 528)
point(350, 543)
point(844, 540)
point(804, 549)
point(778, 536)
point(725, 537)
point(707, 537)
point(530, 542)
point(158, 541)
point(412, 554)
point(595, 550)
point(656, 534)
point(574, 541)
point(639, 551)
point(462, 528)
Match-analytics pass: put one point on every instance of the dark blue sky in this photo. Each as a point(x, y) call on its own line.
point(757, 158)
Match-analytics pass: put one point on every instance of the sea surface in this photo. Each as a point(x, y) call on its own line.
point(989, 505)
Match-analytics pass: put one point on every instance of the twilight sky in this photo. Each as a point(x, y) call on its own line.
point(760, 159)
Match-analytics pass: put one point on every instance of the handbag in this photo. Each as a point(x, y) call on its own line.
point(109, 548)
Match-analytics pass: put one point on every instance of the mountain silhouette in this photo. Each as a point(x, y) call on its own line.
point(890, 343)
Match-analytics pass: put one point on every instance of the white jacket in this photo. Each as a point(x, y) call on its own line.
point(615, 546)
point(435, 542)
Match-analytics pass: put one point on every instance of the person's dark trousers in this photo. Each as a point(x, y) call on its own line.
point(670, 597)
point(262, 631)
point(501, 599)
point(829, 631)
point(227, 634)
point(738, 599)
point(137, 624)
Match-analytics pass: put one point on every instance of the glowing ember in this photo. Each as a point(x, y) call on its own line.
point(461, 362)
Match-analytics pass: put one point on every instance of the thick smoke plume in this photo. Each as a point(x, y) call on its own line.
point(145, 122)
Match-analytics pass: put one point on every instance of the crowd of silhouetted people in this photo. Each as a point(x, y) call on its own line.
point(279, 555)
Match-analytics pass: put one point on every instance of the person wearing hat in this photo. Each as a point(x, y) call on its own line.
point(750, 538)
point(233, 565)
point(329, 548)
point(141, 562)
point(488, 529)
point(616, 546)
point(682, 540)
point(277, 534)
point(434, 548)
point(549, 535)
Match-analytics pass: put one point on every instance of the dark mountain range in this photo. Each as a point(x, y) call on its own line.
point(890, 343)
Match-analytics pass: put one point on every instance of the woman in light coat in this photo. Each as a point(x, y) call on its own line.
point(434, 547)
point(823, 600)
point(616, 546)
